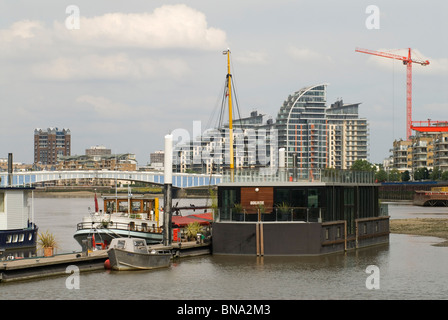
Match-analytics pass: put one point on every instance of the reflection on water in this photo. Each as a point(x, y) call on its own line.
point(410, 267)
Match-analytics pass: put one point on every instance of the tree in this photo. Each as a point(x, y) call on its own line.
point(381, 175)
point(394, 175)
point(362, 165)
point(421, 174)
point(436, 174)
point(445, 175)
point(405, 176)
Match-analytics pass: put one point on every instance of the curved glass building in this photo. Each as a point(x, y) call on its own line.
point(302, 128)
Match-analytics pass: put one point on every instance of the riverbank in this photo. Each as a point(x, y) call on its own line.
point(431, 227)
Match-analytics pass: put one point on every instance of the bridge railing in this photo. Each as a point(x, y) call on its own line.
point(180, 180)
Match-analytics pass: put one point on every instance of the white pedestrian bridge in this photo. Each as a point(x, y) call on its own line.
point(180, 180)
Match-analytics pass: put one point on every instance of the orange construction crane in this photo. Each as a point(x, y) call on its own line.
point(408, 61)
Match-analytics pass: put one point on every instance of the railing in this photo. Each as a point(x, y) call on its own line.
point(278, 214)
point(302, 214)
point(118, 226)
point(299, 175)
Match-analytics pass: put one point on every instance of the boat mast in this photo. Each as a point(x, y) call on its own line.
point(229, 94)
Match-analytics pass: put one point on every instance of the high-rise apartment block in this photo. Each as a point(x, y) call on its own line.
point(51, 143)
point(347, 135)
point(315, 136)
point(423, 150)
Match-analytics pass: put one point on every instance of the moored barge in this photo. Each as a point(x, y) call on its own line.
point(437, 197)
point(298, 212)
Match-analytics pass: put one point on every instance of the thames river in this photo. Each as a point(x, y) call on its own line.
point(408, 268)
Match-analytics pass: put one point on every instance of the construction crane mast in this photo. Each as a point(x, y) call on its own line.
point(408, 61)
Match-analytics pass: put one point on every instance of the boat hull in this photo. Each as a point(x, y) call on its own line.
point(430, 199)
point(18, 243)
point(123, 260)
point(106, 235)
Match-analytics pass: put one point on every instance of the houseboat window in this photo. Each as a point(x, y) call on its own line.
point(312, 198)
point(136, 205)
point(21, 237)
point(30, 236)
point(15, 238)
point(349, 208)
point(229, 197)
point(299, 198)
point(8, 239)
point(2, 202)
point(121, 244)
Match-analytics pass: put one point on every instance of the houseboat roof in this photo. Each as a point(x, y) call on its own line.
point(290, 177)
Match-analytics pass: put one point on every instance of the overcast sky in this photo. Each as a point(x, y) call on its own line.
point(136, 70)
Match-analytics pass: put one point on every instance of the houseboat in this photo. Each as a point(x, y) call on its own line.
point(122, 216)
point(18, 232)
point(298, 212)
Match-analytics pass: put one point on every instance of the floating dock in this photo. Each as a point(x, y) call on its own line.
point(40, 267)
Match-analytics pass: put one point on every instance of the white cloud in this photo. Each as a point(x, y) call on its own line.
point(252, 57)
point(170, 26)
point(307, 55)
point(58, 53)
point(114, 66)
point(103, 107)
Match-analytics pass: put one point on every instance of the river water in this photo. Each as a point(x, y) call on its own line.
point(408, 268)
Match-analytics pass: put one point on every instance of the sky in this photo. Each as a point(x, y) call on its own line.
point(123, 74)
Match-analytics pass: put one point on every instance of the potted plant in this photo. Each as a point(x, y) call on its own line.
point(48, 243)
point(284, 210)
point(237, 212)
point(192, 229)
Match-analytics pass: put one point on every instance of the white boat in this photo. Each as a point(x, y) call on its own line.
point(18, 232)
point(126, 216)
point(134, 254)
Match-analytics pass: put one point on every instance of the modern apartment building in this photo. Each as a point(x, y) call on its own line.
point(440, 151)
point(402, 155)
point(422, 151)
point(254, 145)
point(121, 162)
point(318, 136)
point(302, 128)
point(312, 134)
point(51, 143)
point(98, 150)
point(347, 135)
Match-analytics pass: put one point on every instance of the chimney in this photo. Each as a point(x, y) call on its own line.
point(9, 169)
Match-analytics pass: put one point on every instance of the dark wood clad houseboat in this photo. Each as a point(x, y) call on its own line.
point(307, 213)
